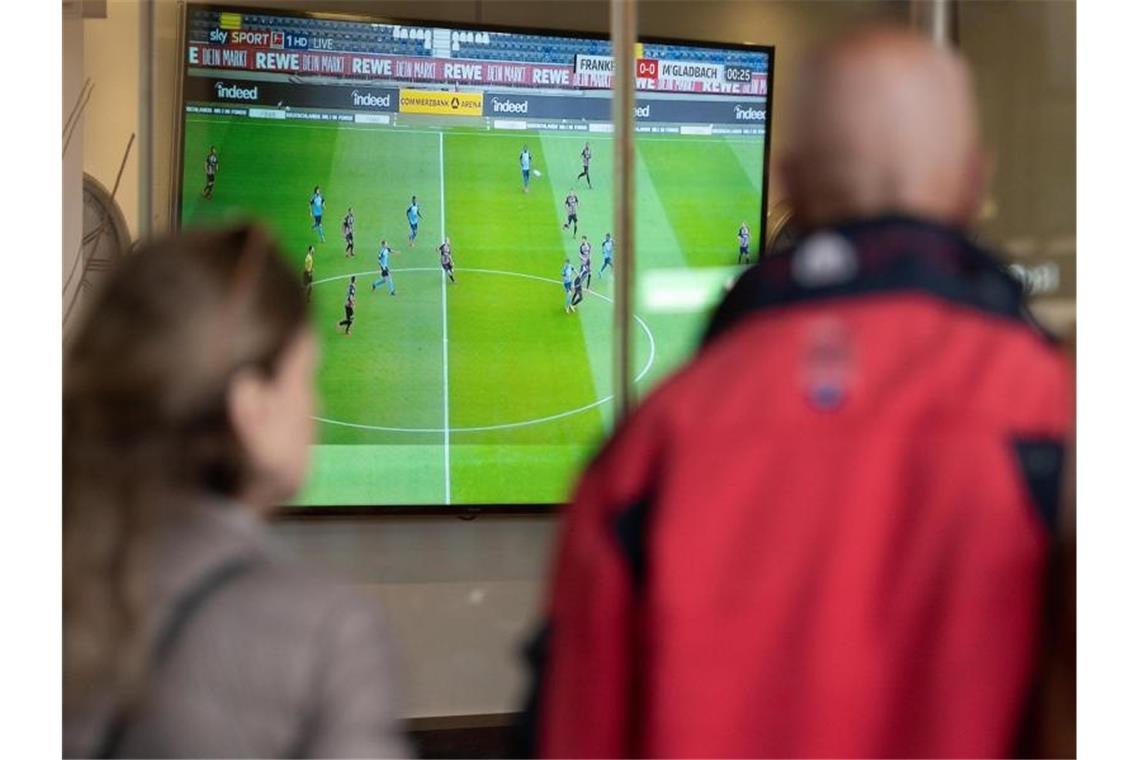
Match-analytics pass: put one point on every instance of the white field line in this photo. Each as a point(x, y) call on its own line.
point(446, 393)
point(579, 136)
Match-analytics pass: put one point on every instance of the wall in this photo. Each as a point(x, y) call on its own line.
point(1024, 55)
point(461, 595)
point(111, 60)
point(73, 159)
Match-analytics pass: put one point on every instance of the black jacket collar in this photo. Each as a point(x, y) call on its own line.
point(871, 257)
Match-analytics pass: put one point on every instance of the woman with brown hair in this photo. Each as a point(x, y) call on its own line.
point(187, 414)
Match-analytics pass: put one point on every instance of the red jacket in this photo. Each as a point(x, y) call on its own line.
point(826, 536)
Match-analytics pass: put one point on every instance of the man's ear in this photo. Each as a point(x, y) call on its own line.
point(975, 187)
point(787, 170)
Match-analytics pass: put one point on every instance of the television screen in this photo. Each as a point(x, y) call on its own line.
point(448, 194)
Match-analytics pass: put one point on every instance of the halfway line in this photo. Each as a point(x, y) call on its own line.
point(443, 301)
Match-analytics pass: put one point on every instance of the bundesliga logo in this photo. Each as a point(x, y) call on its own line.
point(233, 92)
point(373, 101)
point(749, 114)
point(509, 106)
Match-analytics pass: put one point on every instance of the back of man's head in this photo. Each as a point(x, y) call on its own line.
point(882, 121)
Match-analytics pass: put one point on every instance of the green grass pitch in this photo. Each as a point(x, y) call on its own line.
point(484, 391)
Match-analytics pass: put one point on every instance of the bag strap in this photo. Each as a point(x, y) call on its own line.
point(181, 615)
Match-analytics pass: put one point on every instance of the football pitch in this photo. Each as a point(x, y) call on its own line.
point(483, 391)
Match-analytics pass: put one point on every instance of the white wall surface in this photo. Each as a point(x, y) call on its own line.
point(72, 160)
point(111, 60)
point(461, 597)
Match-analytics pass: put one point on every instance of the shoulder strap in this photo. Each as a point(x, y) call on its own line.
point(181, 615)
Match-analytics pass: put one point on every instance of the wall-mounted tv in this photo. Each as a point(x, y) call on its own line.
point(463, 176)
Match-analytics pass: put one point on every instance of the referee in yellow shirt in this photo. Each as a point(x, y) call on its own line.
point(307, 277)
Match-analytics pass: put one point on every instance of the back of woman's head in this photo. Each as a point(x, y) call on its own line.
point(147, 419)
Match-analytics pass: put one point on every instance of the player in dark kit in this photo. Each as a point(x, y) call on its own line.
point(211, 173)
point(524, 163)
point(349, 306)
point(346, 229)
point(743, 237)
point(571, 212)
point(586, 166)
point(584, 261)
point(445, 260)
point(576, 297)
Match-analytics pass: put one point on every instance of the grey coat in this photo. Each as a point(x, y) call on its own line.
point(277, 662)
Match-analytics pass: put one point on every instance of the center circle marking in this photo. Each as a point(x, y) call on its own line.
point(505, 425)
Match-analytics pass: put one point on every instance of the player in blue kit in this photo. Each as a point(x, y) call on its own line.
point(607, 254)
point(584, 261)
point(524, 164)
point(568, 284)
point(317, 211)
point(571, 212)
point(744, 237)
point(413, 213)
point(385, 272)
point(445, 259)
point(349, 306)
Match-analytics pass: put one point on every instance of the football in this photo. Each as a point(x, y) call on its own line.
point(537, 173)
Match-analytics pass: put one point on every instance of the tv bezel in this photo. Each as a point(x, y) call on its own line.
point(468, 511)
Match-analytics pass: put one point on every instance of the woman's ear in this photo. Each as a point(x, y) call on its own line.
point(247, 404)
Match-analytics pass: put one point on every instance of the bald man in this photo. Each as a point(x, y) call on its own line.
point(882, 122)
point(827, 535)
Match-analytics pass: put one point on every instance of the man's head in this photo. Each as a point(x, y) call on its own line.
point(882, 121)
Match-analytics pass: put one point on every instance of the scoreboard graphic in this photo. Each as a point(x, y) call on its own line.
point(240, 42)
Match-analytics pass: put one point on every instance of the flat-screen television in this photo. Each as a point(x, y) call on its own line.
point(479, 374)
